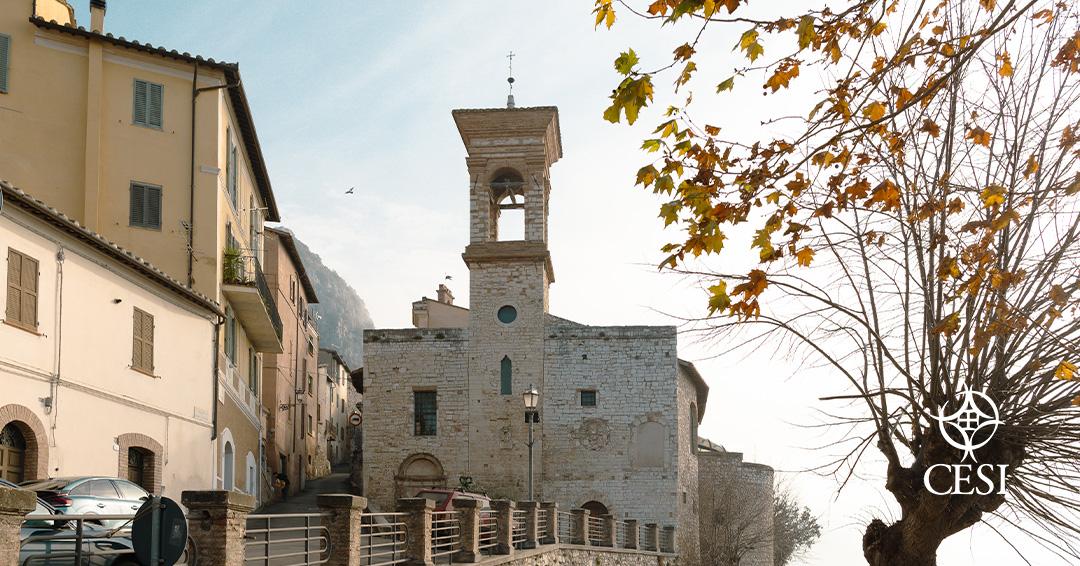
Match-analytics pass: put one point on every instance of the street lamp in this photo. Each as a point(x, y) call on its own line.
point(531, 399)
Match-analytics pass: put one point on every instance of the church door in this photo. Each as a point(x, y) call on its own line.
point(12, 454)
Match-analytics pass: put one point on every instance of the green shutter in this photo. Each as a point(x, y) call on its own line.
point(148, 104)
point(139, 103)
point(506, 383)
point(14, 281)
point(5, 54)
point(145, 209)
point(153, 207)
point(136, 216)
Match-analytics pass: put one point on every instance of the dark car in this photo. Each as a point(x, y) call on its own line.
point(52, 543)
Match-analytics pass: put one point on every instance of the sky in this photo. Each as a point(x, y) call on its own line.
point(358, 94)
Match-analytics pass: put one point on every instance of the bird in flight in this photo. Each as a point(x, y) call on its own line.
point(449, 277)
point(350, 191)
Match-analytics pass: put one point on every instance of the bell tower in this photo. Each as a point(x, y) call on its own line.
point(510, 153)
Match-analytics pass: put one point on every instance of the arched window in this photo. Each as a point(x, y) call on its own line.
point(228, 463)
point(693, 428)
point(508, 194)
point(139, 460)
point(506, 380)
point(596, 509)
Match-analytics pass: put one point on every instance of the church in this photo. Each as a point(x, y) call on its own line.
point(618, 410)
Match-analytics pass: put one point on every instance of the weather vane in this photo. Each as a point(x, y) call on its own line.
point(510, 79)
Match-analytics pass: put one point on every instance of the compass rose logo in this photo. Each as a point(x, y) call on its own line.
point(972, 425)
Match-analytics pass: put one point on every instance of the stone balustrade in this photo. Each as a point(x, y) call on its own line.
point(217, 525)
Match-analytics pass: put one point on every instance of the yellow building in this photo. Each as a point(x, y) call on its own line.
point(157, 151)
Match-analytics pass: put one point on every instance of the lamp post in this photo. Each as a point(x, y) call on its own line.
point(531, 398)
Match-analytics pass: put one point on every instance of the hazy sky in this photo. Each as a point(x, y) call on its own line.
point(360, 93)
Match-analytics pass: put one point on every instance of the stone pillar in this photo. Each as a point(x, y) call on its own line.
point(551, 533)
point(668, 539)
point(14, 506)
point(217, 522)
point(417, 530)
point(469, 527)
point(607, 535)
point(579, 526)
point(532, 530)
point(652, 537)
point(631, 534)
point(343, 527)
point(504, 526)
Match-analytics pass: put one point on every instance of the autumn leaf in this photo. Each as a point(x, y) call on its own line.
point(1006, 69)
point(874, 111)
point(670, 212)
point(605, 13)
point(630, 97)
point(992, 196)
point(684, 52)
point(979, 136)
point(783, 76)
point(929, 126)
point(651, 146)
point(805, 256)
point(1032, 167)
point(626, 61)
point(749, 43)
point(1066, 371)
point(887, 195)
point(718, 297)
point(948, 326)
point(726, 85)
point(684, 77)
point(806, 31)
point(988, 4)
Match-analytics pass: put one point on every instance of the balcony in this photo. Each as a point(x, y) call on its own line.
point(244, 285)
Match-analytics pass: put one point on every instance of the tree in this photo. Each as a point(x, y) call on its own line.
point(918, 231)
point(737, 521)
point(795, 529)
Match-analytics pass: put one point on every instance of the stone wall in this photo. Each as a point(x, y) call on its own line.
point(397, 363)
point(623, 452)
point(750, 487)
point(563, 555)
point(687, 535)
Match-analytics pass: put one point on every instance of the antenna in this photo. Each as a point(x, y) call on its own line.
point(510, 79)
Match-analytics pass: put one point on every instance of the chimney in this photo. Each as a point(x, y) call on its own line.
point(444, 294)
point(97, 16)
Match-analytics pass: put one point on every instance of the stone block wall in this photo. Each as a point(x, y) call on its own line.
point(750, 486)
point(687, 535)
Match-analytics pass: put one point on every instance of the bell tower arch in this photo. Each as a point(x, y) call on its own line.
point(510, 154)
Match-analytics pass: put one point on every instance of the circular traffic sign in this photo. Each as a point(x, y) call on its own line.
point(163, 526)
point(355, 419)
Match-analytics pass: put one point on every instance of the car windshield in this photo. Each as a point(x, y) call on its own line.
point(438, 497)
point(45, 485)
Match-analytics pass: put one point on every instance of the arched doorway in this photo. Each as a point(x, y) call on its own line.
point(34, 458)
point(138, 462)
point(417, 472)
point(12, 454)
point(596, 509)
point(228, 465)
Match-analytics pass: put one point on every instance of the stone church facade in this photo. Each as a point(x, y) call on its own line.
point(618, 409)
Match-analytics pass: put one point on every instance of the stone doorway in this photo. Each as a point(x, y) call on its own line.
point(12, 454)
point(596, 509)
point(417, 472)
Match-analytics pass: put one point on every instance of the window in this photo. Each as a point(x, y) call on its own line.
point(230, 167)
point(693, 428)
point(22, 290)
point(5, 55)
point(292, 289)
point(103, 489)
point(506, 378)
point(507, 314)
point(310, 384)
point(230, 335)
point(142, 347)
point(253, 371)
point(129, 490)
point(588, 398)
point(145, 209)
point(425, 413)
point(310, 426)
point(253, 227)
point(147, 104)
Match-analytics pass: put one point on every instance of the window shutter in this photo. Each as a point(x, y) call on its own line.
point(29, 313)
point(137, 216)
point(139, 98)
point(152, 215)
point(145, 206)
point(5, 53)
point(154, 102)
point(14, 279)
point(136, 340)
point(148, 341)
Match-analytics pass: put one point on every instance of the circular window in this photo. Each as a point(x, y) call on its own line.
point(507, 314)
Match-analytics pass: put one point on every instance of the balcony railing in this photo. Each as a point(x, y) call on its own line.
point(239, 271)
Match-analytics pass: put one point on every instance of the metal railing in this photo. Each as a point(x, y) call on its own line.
point(445, 535)
point(382, 538)
point(643, 539)
point(517, 528)
point(245, 269)
point(596, 531)
point(620, 534)
point(565, 527)
point(667, 541)
point(541, 523)
point(286, 539)
point(488, 531)
point(58, 538)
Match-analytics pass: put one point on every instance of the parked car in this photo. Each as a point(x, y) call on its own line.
point(94, 495)
point(52, 543)
point(444, 498)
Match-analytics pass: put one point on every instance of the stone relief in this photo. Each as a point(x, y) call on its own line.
point(594, 434)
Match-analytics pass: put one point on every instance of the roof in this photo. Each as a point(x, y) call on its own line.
point(337, 356)
point(245, 122)
point(289, 243)
point(39, 209)
point(699, 384)
point(357, 376)
point(554, 109)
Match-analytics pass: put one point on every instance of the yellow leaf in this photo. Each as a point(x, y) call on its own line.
point(806, 31)
point(718, 297)
point(805, 256)
point(1066, 371)
point(988, 4)
point(949, 326)
point(726, 85)
point(709, 8)
point(993, 195)
point(605, 13)
point(903, 96)
point(979, 136)
point(1006, 69)
point(1032, 167)
point(875, 111)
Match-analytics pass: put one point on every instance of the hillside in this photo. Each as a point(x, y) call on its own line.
point(341, 313)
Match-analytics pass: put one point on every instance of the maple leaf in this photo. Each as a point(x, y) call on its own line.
point(994, 195)
point(718, 297)
point(782, 76)
point(979, 136)
point(806, 31)
point(605, 13)
point(948, 326)
point(929, 126)
point(988, 4)
point(1066, 371)
point(887, 195)
point(1006, 69)
point(805, 256)
point(1032, 167)
point(749, 42)
point(728, 84)
point(874, 111)
point(626, 61)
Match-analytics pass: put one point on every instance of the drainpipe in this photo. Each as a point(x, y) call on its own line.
point(214, 383)
point(195, 92)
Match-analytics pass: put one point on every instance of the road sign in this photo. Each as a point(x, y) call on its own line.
point(159, 532)
point(355, 419)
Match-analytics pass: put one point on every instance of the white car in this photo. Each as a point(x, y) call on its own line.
point(93, 495)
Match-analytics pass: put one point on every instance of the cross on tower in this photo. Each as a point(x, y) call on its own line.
point(510, 79)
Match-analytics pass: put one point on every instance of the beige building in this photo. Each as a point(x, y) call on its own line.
point(133, 402)
point(618, 410)
point(336, 378)
point(290, 378)
point(156, 150)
